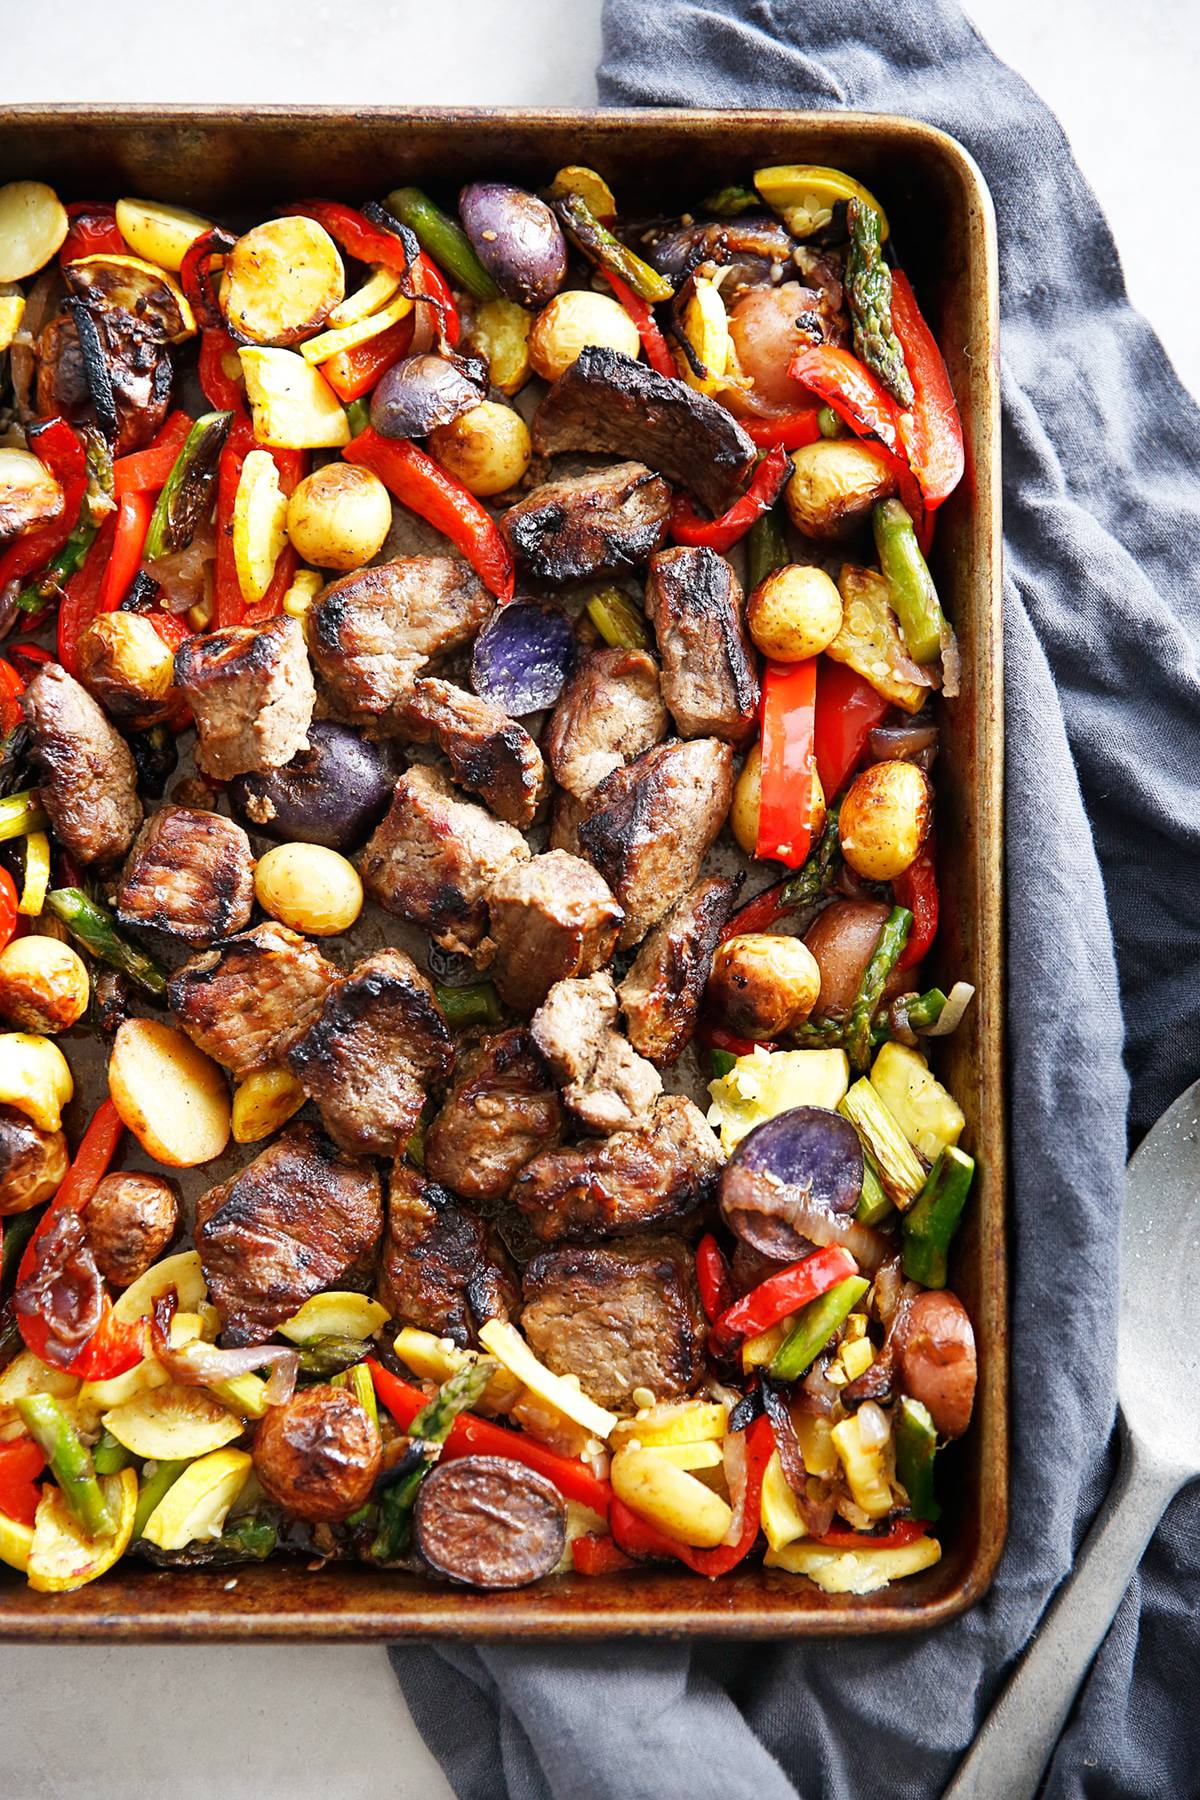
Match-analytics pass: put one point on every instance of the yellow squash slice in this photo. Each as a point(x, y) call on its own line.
point(259, 525)
point(173, 1424)
point(61, 1556)
point(339, 1313)
point(293, 405)
point(195, 1506)
point(158, 233)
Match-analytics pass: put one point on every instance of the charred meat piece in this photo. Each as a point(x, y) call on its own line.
point(610, 402)
point(586, 525)
point(434, 858)
point(501, 1111)
point(488, 752)
point(619, 1317)
point(622, 1183)
point(610, 711)
point(88, 780)
point(300, 1218)
point(551, 917)
point(694, 601)
point(662, 993)
point(189, 873)
point(565, 815)
point(443, 1270)
point(605, 1083)
point(105, 364)
point(380, 1041)
point(373, 632)
point(248, 1001)
point(648, 827)
point(130, 1220)
point(251, 690)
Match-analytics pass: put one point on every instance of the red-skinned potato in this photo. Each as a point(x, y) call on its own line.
point(318, 1454)
point(936, 1360)
point(843, 939)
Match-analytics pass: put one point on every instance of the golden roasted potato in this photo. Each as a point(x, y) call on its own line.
point(44, 984)
point(743, 815)
point(834, 483)
point(309, 887)
point(130, 1220)
point(794, 614)
point(32, 1162)
point(29, 494)
point(281, 281)
point(33, 224)
point(318, 1455)
point(159, 233)
point(339, 516)
point(573, 322)
point(763, 984)
point(128, 667)
point(885, 819)
point(486, 448)
point(171, 1096)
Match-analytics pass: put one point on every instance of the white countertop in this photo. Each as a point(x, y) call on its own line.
point(253, 1724)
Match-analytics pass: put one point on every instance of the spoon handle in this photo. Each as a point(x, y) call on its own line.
point(1019, 1735)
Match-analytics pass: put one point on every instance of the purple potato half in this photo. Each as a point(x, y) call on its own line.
point(523, 656)
point(421, 392)
point(517, 239)
point(794, 1182)
point(334, 793)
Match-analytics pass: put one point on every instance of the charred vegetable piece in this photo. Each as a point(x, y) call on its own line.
point(428, 1432)
point(478, 1004)
point(766, 547)
point(329, 1356)
point(523, 656)
point(187, 496)
point(815, 1325)
point(96, 929)
point(620, 623)
point(934, 1216)
point(868, 283)
point(910, 585)
point(608, 252)
point(490, 1523)
point(444, 239)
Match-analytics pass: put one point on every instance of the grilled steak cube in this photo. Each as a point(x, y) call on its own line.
point(609, 712)
point(551, 917)
point(189, 873)
point(609, 402)
point(501, 1110)
point(251, 690)
point(298, 1219)
point(88, 782)
point(620, 1317)
point(662, 993)
point(606, 1084)
point(380, 1041)
point(694, 601)
point(246, 1002)
point(585, 525)
point(373, 632)
point(649, 826)
point(443, 1269)
point(611, 1186)
point(434, 858)
point(488, 752)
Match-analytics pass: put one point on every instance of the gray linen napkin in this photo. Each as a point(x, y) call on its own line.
point(1102, 605)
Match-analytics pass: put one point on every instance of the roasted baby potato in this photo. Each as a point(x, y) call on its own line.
point(574, 321)
point(127, 667)
point(168, 1093)
point(833, 486)
point(794, 614)
point(33, 224)
point(338, 517)
point(130, 1220)
point(885, 819)
point(159, 233)
point(486, 448)
point(281, 281)
point(44, 984)
point(32, 1162)
point(29, 493)
point(318, 1455)
point(310, 888)
point(763, 984)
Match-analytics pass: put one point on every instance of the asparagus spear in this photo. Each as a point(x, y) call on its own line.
point(922, 1011)
point(891, 941)
point(933, 1218)
point(766, 547)
point(910, 585)
point(808, 884)
point(444, 239)
point(815, 1325)
point(916, 1447)
point(188, 489)
point(96, 929)
point(608, 252)
point(70, 1462)
point(152, 1490)
point(618, 620)
point(868, 282)
point(478, 1004)
point(109, 1456)
point(427, 1433)
point(331, 1355)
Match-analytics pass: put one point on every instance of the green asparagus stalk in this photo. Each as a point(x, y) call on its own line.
point(868, 284)
point(618, 620)
point(96, 504)
point(70, 1462)
point(188, 489)
point(331, 1355)
point(427, 1433)
point(478, 1004)
point(109, 1456)
point(873, 1203)
point(922, 1011)
point(728, 202)
point(153, 1488)
point(96, 929)
point(598, 244)
point(358, 1381)
point(916, 1446)
point(891, 941)
point(20, 814)
point(806, 887)
point(910, 585)
point(815, 1325)
point(766, 547)
point(359, 414)
point(899, 1167)
point(444, 239)
point(933, 1218)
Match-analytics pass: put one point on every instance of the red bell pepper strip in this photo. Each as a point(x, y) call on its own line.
point(170, 627)
point(221, 391)
point(786, 793)
point(92, 231)
point(354, 233)
point(81, 597)
point(793, 1287)
point(759, 914)
point(687, 526)
point(471, 1436)
point(917, 889)
point(228, 606)
point(639, 1538)
point(9, 916)
point(900, 1531)
point(353, 373)
point(146, 470)
point(133, 522)
point(715, 1037)
point(21, 1461)
point(61, 450)
point(791, 430)
point(12, 686)
point(597, 1554)
point(96, 1150)
point(855, 395)
point(932, 432)
point(712, 1278)
point(642, 314)
point(202, 260)
point(438, 288)
point(848, 709)
point(113, 1348)
point(426, 489)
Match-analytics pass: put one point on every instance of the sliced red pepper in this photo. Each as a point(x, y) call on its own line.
point(759, 914)
point(354, 233)
point(228, 606)
point(61, 450)
point(917, 889)
point(96, 1150)
point(170, 627)
point(92, 231)
point(426, 489)
point(786, 792)
point(202, 261)
point(900, 1531)
point(438, 288)
point(856, 396)
point(21, 1462)
point(80, 602)
point(597, 1554)
point(471, 1436)
point(9, 915)
point(113, 1348)
point(639, 1538)
point(712, 1278)
point(133, 522)
point(847, 711)
point(642, 314)
point(147, 470)
point(791, 430)
point(793, 1287)
point(221, 391)
point(12, 686)
point(353, 373)
point(932, 432)
point(687, 526)
point(715, 1037)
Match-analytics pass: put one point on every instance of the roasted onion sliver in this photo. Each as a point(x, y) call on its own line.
point(951, 1015)
point(200, 1365)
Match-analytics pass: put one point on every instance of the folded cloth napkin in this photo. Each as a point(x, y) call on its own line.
point(1102, 609)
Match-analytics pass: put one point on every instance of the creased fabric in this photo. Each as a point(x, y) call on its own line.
point(1102, 609)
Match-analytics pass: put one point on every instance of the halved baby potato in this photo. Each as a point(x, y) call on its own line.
point(33, 224)
point(171, 1096)
point(281, 281)
point(259, 525)
point(29, 493)
point(173, 1423)
point(138, 287)
point(265, 1101)
point(160, 233)
point(61, 1555)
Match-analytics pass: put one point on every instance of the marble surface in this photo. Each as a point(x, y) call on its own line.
point(311, 1723)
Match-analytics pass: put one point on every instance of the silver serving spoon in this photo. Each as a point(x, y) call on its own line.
point(1158, 1392)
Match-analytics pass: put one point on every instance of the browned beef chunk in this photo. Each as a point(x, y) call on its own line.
point(87, 778)
point(662, 993)
point(246, 1002)
point(381, 1040)
point(127, 356)
point(606, 1084)
point(694, 601)
point(443, 1270)
point(189, 873)
point(565, 815)
point(300, 1218)
point(609, 402)
point(373, 632)
point(614, 1185)
point(488, 752)
point(251, 690)
point(585, 525)
point(649, 826)
point(610, 711)
point(434, 858)
point(620, 1317)
point(550, 917)
point(501, 1110)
